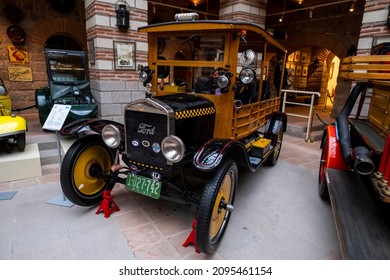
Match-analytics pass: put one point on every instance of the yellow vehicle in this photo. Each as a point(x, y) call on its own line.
point(12, 128)
point(207, 111)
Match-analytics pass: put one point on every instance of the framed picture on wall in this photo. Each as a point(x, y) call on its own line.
point(292, 67)
point(305, 69)
point(290, 57)
point(303, 57)
point(297, 56)
point(91, 51)
point(298, 71)
point(124, 55)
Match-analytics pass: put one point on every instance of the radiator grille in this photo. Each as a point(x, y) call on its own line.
point(144, 134)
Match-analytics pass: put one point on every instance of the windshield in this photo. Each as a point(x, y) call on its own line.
point(196, 56)
point(66, 68)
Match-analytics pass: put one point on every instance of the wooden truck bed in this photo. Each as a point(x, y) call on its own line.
point(366, 68)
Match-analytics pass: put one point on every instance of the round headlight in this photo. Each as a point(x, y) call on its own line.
point(172, 147)
point(2, 90)
point(223, 81)
point(111, 136)
point(247, 57)
point(143, 77)
point(247, 75)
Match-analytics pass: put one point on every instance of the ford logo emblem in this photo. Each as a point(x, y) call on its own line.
point(156, 147)
point(145, 143)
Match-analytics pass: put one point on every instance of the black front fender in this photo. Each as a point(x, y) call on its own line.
point(211, 154)
point(84, 125)
point(272, 128)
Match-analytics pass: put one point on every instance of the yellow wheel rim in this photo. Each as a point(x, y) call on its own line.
point(219, 214)
point(83, 180)
point(278, 144)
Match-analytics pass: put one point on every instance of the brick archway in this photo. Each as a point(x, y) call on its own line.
point(312, 39)
point(60, 26)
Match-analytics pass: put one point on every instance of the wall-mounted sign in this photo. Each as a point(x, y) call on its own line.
point(18, 55)
point(20, 74)
point(124, 55)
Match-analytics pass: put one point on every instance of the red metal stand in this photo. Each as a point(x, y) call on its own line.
point(108, 205)
point(191, 239)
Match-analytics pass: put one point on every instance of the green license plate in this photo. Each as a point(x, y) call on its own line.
point(143, 185)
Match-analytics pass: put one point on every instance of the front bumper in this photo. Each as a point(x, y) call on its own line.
point(12, 125)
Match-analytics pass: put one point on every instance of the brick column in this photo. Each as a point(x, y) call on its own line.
point(113, 89)
point(373, 25)
point(244, 10)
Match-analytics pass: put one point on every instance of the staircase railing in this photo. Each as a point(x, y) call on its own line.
point(301, 95)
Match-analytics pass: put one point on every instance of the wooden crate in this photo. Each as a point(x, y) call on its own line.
point(366, 68)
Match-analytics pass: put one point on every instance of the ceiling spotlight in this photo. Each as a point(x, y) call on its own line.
point(284, 9)
point(352, 7)
point(300, 2)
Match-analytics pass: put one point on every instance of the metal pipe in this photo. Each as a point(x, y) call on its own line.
point(297, 115)
point(310, 121)
point(311, 110)
point(284, 101)
point(297, 103)
point(312, 7)
point(182, 8)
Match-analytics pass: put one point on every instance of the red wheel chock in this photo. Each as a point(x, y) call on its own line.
point(191, 239)
point(108, 205)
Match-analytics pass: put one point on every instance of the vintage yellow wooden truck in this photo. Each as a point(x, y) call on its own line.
point(210, 107)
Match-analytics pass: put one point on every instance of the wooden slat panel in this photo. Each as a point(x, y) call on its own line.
point(365, 76)
point(350, 67)
point(249, 117)
point(367, 58)
point(371, 67)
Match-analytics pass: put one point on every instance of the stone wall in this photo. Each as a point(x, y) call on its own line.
point(374, 29)
point(111, 87)
point(244, 10)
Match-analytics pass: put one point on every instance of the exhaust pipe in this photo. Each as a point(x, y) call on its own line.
point(359, 157)
point(363, 163)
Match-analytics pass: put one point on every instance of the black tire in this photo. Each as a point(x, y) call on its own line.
point(322, 184)
point(274, 156)
point(21, 141)
point(83, 164)
point(213, 215)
